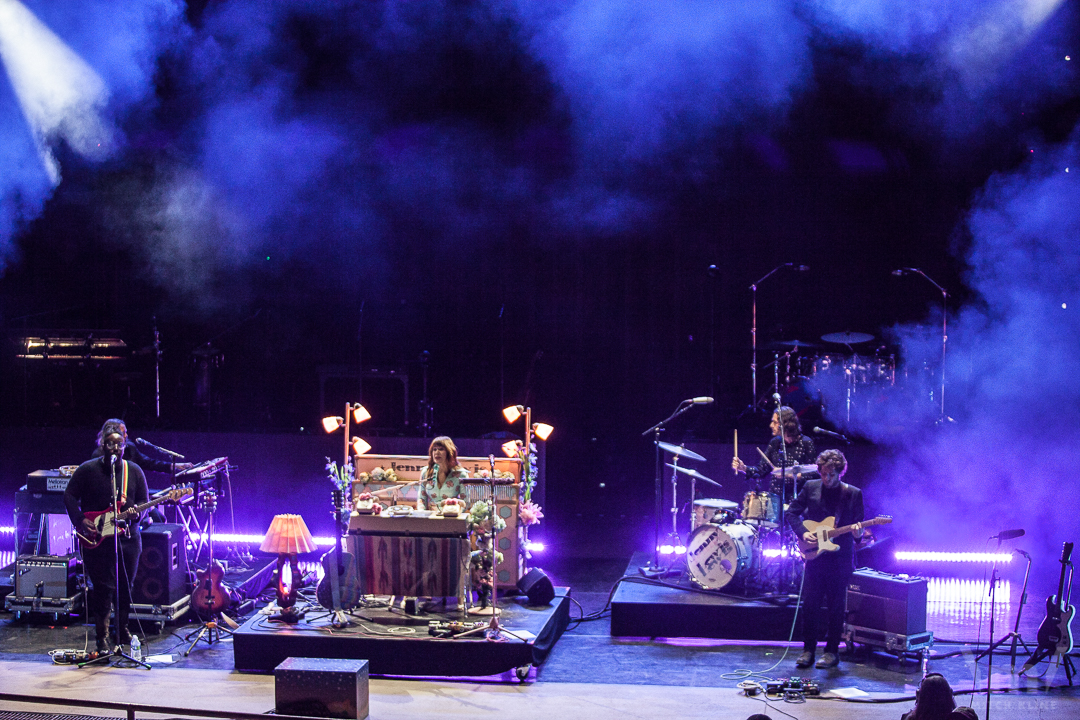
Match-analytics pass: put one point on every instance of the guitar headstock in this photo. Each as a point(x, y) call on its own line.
point(1066, 553)
point(176, 494)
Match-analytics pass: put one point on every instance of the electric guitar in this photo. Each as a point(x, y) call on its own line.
point(1055, 633)
point(211, 595)
point(105, 521)
point(339, 590)
point(825, 531)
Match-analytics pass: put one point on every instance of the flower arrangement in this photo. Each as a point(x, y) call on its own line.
point(529, 513)
point(481, 520)
point(342, 477)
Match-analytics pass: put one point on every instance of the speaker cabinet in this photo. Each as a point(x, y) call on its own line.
point(163, 567)
point(890, 603)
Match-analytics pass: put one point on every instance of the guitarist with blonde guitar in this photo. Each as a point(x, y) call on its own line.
point(89, 496)
point(825, 578)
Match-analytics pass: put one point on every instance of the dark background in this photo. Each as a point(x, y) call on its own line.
point(563, 208)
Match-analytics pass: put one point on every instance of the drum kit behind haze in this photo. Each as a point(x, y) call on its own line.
point(737, 546)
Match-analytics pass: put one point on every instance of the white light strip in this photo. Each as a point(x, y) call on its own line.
point(972, 557)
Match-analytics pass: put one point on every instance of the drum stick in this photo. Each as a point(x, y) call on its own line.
point(736, 448)
point(766, 458)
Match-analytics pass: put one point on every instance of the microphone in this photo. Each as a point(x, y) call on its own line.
point(163, 451)
point(112, 459)
point(902, 271)
point(802, 268)
point(700, 400)
point(830, 433)
point(1018, 550)
point(1008, 534)
point(776, 397)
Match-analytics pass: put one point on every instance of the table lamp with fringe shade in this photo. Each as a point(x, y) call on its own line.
point(287, 537)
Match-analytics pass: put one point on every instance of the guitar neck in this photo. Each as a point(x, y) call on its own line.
point(849, 528)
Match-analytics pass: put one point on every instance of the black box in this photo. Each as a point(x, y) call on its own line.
point(889, 603)
point(56, 573)
point(162, 576)
point(322, 687)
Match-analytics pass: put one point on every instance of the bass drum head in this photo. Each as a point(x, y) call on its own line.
point(718, 554)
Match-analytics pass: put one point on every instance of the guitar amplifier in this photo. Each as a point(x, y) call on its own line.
point(55, 573)
point(889, 603)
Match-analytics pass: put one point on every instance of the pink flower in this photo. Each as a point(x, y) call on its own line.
point(529, 513)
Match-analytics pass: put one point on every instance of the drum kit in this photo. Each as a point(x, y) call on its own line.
point(810, 375)
point(743, 545)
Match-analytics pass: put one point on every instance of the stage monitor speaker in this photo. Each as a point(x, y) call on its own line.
point(537, 587)
point(162, 577)
point(50, 577)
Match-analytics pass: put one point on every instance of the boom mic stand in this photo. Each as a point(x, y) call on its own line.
point(656, 430)
point(1014, 636)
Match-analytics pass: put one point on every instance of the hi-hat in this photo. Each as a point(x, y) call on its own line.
point(692, 473)
point(847, 338)
point(718, 503)
point(681, 451)
point(792, 343)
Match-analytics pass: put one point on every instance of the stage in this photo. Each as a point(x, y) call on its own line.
point(642, 607)
point(396, 644)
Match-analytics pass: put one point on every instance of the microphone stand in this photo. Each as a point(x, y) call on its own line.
point(944, 331)
point(990, 655)
point(656, 430)
point(119, 649)
point(753, 331)
point(157, 368)
point(1014, 636)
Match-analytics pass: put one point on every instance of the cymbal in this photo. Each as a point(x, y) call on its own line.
point(847, 338)
point(717, 503)
point(800, 469)
point(676, 450)
point(692, 473)
point(777, 344)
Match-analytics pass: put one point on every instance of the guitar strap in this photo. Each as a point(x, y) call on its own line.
point(122, 491)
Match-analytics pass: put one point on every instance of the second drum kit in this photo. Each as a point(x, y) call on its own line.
point(743, 546)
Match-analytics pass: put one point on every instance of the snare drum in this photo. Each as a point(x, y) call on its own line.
point(718, 554)
point(713, 510)
point(761, 508)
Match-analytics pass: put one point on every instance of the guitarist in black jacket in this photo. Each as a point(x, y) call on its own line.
point(826, 576)
point(90, 491)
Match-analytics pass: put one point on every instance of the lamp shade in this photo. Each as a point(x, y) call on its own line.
point(288, 534)
point(542, 430)
point(513, 412)
point(360, 413)
point(510, 448)
point(360, 446)
point(332, 423)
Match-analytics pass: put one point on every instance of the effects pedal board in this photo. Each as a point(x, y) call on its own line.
point(804, 686)
point(450, 629)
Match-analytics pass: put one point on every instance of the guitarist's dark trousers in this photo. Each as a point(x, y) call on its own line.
point(100, 565)
point(826, 580)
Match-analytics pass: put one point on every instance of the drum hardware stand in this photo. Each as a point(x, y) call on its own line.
point(753, 326)
point(427, 412)
point(655, 430)
point(944, 331)
point(1013, 637)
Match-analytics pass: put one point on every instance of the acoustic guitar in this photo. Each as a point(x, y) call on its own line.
point(825, 531)
point(339, 588)
point(1055, 632)
point(106, 521)
point(211, 595)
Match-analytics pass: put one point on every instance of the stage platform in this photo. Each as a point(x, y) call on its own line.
point(397, 645)
point(674, 607)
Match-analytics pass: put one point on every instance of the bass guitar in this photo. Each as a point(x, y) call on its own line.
point(1055, 632)
point(105, 521)
point(825, 531)
point(339, 589)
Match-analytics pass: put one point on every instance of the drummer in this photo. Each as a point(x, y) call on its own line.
point(800, 451)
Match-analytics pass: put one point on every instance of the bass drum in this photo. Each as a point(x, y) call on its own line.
point(718, 554)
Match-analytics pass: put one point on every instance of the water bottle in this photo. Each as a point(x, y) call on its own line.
point(136, 648)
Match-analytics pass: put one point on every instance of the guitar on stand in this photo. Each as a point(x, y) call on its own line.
point(339, 590)
point(1055, 632)
point(210, 597)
